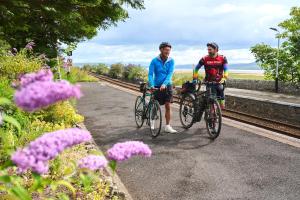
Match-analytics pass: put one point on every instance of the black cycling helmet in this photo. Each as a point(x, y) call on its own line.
point(213, 45)
point(165, 44)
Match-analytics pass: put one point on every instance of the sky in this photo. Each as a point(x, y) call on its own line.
point(188, 25)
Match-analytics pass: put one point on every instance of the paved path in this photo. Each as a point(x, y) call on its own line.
point(188, 166)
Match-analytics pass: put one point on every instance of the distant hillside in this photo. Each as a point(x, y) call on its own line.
point(238, 66)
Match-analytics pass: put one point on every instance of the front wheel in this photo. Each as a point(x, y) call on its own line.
point(139, 111)
point(187, 111)
point(155, 119)
point(213, 119)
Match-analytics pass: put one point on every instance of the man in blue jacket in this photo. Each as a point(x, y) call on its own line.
point(160, 75)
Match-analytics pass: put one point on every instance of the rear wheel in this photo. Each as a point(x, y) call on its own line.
point(139, 111)
point(213, 119)
point(187, 111)
point(155, 119)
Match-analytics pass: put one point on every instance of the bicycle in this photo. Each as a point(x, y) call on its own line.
point(148, 110)
point(194, 103)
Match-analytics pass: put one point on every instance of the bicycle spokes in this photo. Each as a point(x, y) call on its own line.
point(155, 119)
point(213, 119)
point(139, 112)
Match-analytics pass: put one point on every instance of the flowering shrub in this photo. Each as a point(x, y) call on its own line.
point(44, 93)
point(13, 65)
point(42, 75)
point(93, 162)
point(30, 46)
point(123, 151)
point(37, 154)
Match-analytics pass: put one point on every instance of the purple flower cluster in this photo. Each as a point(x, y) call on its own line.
point(123, 151)
point(92, 162)
point(30, 45)
point(42, 75)
point(37, 154)
point(41, 94)
point(43, 57)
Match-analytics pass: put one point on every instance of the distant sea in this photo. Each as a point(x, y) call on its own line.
point(235, 68)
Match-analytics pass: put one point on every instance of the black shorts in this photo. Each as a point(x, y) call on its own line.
point(164, 96)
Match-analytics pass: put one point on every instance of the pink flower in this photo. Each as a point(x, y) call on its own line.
point(123, 151)
point(37, 154)
point(30, 45)
point(41, 94)
point(42, 75)
point(93, 162)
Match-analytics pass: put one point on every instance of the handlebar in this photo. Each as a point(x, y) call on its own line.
point(213, 83)
point(152, 89)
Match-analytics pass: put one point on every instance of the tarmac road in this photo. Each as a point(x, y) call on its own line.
point(188, 165)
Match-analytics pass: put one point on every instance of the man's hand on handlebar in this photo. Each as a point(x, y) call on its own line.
point(162, 87)
point(152, 89)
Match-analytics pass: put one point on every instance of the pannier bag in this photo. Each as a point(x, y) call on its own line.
point(143, 86)
point(188, 87)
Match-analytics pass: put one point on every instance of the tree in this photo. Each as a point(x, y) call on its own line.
point(51, 22)
point(289, 54)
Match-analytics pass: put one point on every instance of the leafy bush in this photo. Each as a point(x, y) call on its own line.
point(88, 67)
point(102, 69)
point(77, 75)
point(116, 70)
point(13, 65)
point(135, 72)
point(4, 47)
point(61, 113)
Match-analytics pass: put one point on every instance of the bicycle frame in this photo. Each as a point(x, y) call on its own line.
point(210, 94)
point(147, 107)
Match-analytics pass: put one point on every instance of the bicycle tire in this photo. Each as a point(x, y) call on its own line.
point(139, 113)
point(182, 110)
point(208, 119)
point(155, 112)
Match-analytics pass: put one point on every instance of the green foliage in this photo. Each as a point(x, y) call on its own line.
point(102, 69)
point(4, 101)
point(289, 54)
point(61, 113)
point(4, 47)
point(77, 75)
point(13, 65)
point(116, 70)
point(12, 121)
point(67, 21)
point(179, 78)
point(135, 72)
point(88, 67)
point(20, 128)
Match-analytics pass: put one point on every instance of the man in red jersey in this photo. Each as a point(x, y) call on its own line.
point(216, 70)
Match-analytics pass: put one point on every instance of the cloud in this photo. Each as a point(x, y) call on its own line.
point(235, 25)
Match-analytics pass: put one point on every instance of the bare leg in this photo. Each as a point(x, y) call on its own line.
point(168, 112)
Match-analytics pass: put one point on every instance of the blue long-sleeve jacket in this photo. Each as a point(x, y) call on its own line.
point(160, 73)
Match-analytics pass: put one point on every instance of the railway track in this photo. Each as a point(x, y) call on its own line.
point(272, 125)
